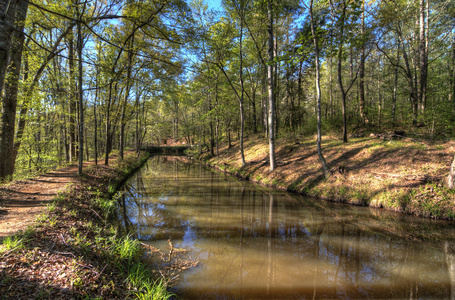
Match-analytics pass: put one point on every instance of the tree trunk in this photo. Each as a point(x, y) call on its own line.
point(363, 115)
point(9, 99)
point(7, 19)
point(80, 45)
point(217, 124)
point(340, 78)
point(242, 92)
point(318, 92)
point(212, 130)
point(422, 79)
point(453, 76)
point(395, 86)
point(271, 93)
point(72, 101)
point(127, 94)
point(451, 177)
point(108, 142)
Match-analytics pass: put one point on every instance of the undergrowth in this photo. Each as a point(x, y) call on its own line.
point(76, 248)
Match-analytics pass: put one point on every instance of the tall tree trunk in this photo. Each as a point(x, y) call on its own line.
point(9, 99)
point(126, 96)
point(299, 93)
point(363, 115)
point(212, 130)
point(340, 78)
point(264, 105)
point(217, 125)
point(331, 87)
point(422, 79)
point(80, 45)
point(72, 100)
point(379, 97)
point(395, 87)
point(453, 76)
point(108, 141)
point(412, 86)
point(138, 125)
point(242, 92)
point(7, 19)
point(271, 93)
point(318, 92)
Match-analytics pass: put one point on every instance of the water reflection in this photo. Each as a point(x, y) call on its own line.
point(254, 243)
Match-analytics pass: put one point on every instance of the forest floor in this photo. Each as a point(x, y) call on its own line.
point(21, 201)
point(61, 239)
point(380, 170)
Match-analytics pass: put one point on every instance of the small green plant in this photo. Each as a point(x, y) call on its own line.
point(77, 283)
point(153, 290)
point(11, 243)
point(137, 274)
point(52, 207)
point(111, 189)
point(127, 248)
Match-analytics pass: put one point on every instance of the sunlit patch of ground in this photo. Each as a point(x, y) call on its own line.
point(403, 175)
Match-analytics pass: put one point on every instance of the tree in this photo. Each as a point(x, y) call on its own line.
point(341, 10)
point(270, 86)
point(11, 45)
point(451, 177)
point(314, 33)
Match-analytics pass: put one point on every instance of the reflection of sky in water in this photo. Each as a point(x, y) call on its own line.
point(254, 245)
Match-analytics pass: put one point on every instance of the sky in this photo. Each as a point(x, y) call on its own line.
point(214, 3)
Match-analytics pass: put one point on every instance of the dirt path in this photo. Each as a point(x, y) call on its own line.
point(23, 200)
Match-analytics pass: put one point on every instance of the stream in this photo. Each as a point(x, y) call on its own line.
point(252, 242)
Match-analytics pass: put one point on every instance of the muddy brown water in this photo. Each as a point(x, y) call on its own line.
point(256, 243)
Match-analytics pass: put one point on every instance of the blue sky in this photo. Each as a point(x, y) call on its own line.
point(214, 3)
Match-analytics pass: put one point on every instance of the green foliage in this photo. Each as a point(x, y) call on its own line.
point(153, 290)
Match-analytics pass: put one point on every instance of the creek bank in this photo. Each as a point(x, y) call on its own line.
point(400, 175)
point(74, 249)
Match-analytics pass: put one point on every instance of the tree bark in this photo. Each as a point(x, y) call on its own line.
point(270, 84)
point(453, 76)
point(7, 19)
point(9, 99)
point(395, 86)
point(242, 92)
point(363, 115)
point(72, 100)
point(451, 177)
point(339, 67)
point(422, 79)
point(126, 96)
point(80, 45)
point(108, 142)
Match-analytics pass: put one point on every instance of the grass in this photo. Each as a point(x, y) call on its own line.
point(77, 248)
point(153, 290)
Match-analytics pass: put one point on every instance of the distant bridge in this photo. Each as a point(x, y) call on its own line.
point(165, 149)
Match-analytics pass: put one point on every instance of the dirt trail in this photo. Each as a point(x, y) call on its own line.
point(23, 200)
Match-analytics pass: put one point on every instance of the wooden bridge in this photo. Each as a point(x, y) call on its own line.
point(165, 149)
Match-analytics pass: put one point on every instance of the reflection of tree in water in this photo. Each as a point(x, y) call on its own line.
point(330, 251)
point(449, 253)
